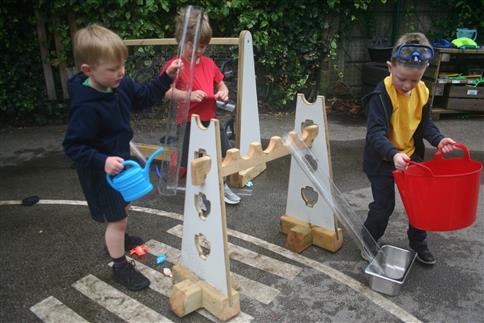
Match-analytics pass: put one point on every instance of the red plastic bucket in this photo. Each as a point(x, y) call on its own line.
point(441, 194)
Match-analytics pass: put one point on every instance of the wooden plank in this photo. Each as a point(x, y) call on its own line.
point(234, 163)
point(468, 92)
point(44, 55)
point(59, 49)
point(73, 30)
point(172, 41)
point(472, 105)
point(472, 51)
point(299, 238)
point(147, 150)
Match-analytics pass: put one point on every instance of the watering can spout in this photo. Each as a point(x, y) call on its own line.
point(148, 162)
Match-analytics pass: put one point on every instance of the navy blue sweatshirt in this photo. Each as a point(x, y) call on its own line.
point(99, 123)
point(378, 148)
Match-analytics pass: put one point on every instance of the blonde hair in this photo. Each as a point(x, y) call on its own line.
point(408, 39)
point(95, 44)
point(205, 29)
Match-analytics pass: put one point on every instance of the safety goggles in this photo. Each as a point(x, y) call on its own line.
point(414, 53)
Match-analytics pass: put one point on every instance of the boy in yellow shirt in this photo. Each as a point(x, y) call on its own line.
point(398, 120)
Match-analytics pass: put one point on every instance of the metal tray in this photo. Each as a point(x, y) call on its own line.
point(389, 269)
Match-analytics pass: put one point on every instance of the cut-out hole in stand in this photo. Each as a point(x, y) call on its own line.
point(202, 205)
point(309, 196)
point(306, 123)
point(202, 245)
point(313, 163)
point(200, 153)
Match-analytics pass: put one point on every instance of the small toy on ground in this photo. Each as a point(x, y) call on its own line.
point(167, 272)
point(161, 259)
point(139, 250)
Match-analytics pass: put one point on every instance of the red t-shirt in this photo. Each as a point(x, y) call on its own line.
point(206, 76)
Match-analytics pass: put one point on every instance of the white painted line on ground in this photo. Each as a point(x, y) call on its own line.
point(162, 284)
point(51, 310)
point(253, 289)
point(116, 301)
point(13, 202)
point(65, 202)
point(253, 259)
point(376, 298)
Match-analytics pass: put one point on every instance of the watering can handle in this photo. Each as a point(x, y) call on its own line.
point(125, 163)
point(467, 156)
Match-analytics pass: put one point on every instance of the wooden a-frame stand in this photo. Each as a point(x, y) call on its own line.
point(309, 220)
point(247, 128)
point(202, 278)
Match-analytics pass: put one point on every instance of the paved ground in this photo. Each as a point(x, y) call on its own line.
point(51, 262)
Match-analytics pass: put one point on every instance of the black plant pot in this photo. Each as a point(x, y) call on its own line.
point(380, 54)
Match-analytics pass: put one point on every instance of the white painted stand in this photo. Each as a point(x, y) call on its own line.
point(215, 268)
point(247, 105)
point(202, 278)
point(247, 119)
point(304, 204)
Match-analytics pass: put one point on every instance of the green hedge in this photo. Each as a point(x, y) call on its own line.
point(291, 40)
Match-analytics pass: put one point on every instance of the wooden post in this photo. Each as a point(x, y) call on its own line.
point(44, 54)
point(73, 29)
point(59, 48)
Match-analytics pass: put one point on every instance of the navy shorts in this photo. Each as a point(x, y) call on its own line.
point(105, 203)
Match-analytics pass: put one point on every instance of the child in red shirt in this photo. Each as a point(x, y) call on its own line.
point(207, 86)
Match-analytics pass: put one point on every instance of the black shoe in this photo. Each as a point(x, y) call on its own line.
point(423, 253)
point(130, 278)
point(131, 242)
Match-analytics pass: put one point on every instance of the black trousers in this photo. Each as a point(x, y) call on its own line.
point(380, 210)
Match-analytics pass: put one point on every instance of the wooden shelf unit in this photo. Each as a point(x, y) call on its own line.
point(448, 95)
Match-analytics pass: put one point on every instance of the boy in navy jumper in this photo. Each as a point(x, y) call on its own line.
point(398, 120)
point(99, 132)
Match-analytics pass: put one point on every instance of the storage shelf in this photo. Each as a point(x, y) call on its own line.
point(452, 81)
point(449, 95)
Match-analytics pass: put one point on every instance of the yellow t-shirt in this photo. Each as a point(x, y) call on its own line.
point(406, 115)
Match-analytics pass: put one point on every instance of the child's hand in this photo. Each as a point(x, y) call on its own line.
point(446, 145)
point(401, 161)
point(175, 66)
point(113, 165)
point(222, 94)
point(197, 96)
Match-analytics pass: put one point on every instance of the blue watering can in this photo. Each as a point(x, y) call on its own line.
point(134, 182)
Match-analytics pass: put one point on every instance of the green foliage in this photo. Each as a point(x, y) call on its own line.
point(21, 81)
point(457, 14)
point(293, 40)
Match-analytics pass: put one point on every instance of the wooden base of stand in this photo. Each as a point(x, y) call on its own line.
point(188, 294)
point(301, 235)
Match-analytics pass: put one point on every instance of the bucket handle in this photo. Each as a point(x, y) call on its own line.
point(467, 156)
point(411, 162)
